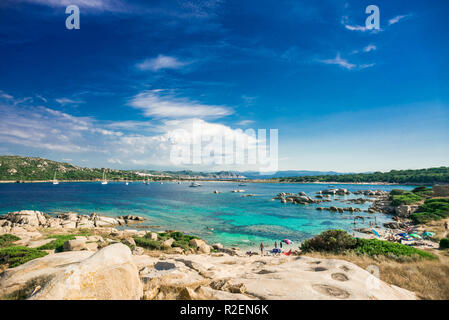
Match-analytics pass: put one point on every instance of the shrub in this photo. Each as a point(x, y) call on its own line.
point(58, 243)
point(147, 243)
point(7, 239)
point(405, 198)
point(432, 209)
point(444, 243)
point(396, 192)
point(374, 247)
point(15, 256)
point(330, 241)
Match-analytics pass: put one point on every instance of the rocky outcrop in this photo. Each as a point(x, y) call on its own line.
point(295, 198)
point(341, 210)
point(338, 191)
point(372, 193)
point(224, 277)
point(70, 220)
point(109, 274)
point(406, 210)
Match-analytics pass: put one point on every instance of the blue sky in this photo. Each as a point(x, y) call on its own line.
point(113, 92)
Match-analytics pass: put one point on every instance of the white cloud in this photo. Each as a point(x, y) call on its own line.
point(41, 129)
point(370, 47)
point(245, 122)
point(101, 5)
point(161, 62)
point(397, 19)
point(339, 61)
point(67, 101)
point(346, 64)
point(155, 103)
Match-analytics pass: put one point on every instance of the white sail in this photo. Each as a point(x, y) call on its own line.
point(104, 179)
point(54, 179)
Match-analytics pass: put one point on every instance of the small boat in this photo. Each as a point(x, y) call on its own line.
point(54, 179)
point(194, 184)
point(126, 183)
point(147, 182)
point(242, 185)
point(104, 179)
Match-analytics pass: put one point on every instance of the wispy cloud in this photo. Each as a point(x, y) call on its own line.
point(98, 5)
point(155, 103)
point(370, 47)
point(397, 19)
point(338, 60)
point(341, 62)
point(352, 27)
point(161, 62)
point(245, 122)
point(67, 101)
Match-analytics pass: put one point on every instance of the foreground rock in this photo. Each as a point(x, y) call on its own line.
point(225, 277)
point(110, 274)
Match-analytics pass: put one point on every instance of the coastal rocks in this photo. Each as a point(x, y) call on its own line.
point(129, 242)
point(168, 243)
point(200, 245)
point(75, 245)
point(406, 210)
point(70, 220)
point(295, 198)
point(109, 274)
point(341, 210)
point(138, 251)
point(395, 225)
point(371, 193)
point(339, 191)
point(25, 217)
point(152, 236)
point(129, 219)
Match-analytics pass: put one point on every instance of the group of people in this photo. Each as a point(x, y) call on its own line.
point(275, 246)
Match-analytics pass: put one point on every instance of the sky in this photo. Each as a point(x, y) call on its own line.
point(139, 77)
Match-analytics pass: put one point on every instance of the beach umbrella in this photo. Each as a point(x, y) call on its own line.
point(402, 234)
point(428, 234)
point(287, 241)
point(416, 236)
point(376, 233)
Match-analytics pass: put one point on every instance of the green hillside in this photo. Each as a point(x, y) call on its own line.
point(16, 168)
point(427, 176)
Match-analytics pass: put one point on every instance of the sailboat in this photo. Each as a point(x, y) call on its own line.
point(104, 179)
point(147, 182)
point(127, 181)
point(54, 179)
point(194, 184)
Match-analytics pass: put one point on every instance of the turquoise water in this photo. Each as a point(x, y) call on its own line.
point(227, 217)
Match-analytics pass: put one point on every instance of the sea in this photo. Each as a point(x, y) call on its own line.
point(227, 217)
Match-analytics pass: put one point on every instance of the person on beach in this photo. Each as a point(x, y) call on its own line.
point(280, 244)
point(446, 226)
point(261, 248)
point(275, 244)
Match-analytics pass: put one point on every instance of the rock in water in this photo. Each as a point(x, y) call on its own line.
point(109, 274)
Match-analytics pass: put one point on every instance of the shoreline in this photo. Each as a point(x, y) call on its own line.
point(228, 181)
